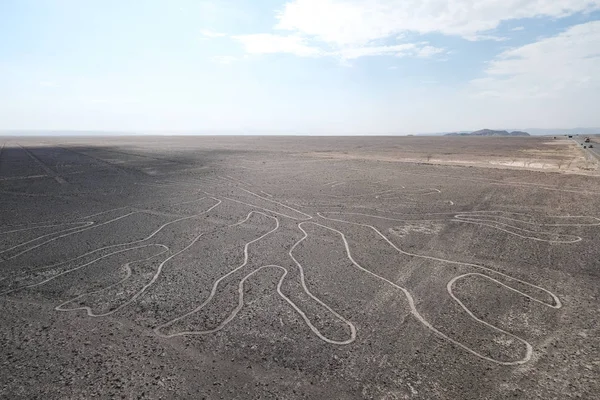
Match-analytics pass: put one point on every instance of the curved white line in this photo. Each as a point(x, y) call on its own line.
point(240, 305)
point(33, 225)
point(88, 310)
point(473, 216)
point(397, 192)
point(281, 294)
point(68, 234)
point(502, 183)
point(45, 226)
point(449, 286)
point(305, 287)
point(215, 285)
point(124, 244)
point(77, 268)
point(475, 221)
point(556, 300)
point(43, 236)
point(103, 212)
point(160, 268)
point(278, 203)
point(263, 208)
point(419, 317)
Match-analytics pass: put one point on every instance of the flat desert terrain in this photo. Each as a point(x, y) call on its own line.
point(299, 267)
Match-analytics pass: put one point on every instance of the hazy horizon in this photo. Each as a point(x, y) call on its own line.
point(66, 132)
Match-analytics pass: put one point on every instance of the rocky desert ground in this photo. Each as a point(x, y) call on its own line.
point(298, 267)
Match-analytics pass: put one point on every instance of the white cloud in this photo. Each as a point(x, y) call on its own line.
point(396, 50)
point(224, 59)
point(211, 34)
point(429, 51)
point(358, 22)
point(476, 38)
point(553, 67)
point(400, 50)
point(266, 43)
point(518, 28)
point(349, 29)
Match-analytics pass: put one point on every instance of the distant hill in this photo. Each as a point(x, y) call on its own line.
point(565, 131)
point(489, 132)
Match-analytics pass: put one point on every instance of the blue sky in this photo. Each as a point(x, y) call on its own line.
point(301, 66)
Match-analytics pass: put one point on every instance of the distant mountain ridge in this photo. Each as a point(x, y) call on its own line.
point(489, 132)
point(564, 131)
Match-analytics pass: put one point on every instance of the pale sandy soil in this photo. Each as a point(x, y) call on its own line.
point(560, 155)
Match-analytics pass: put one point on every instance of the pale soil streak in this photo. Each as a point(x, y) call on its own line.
point(99, 160)
point(19, 178)
point(563, 160)
point(48, 170)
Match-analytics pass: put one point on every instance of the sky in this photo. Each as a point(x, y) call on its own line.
point(299, 66)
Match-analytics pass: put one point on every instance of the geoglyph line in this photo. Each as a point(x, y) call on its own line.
point(33, 225)
point(152, 281)
point(44, 226)
point(68, 234)
point(557, 304)
point(236, 181)
point(43, 236)
point(476, 214)
point(403, 196)
point(269, 210)
point(240, 304)
point(260, 208)
point(82, 266)
point(482, 222)
point(103, 212)
point(420, 318)
point(216, 283)
point(18, 178)
point(303, 282)
point(278, 203)
point(492, 219)
point(122, 244)
point(501, 183)
point(492, 213)
point(573, 238)
point(385, 194)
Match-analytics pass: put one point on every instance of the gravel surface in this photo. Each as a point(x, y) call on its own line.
point(242, 268)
